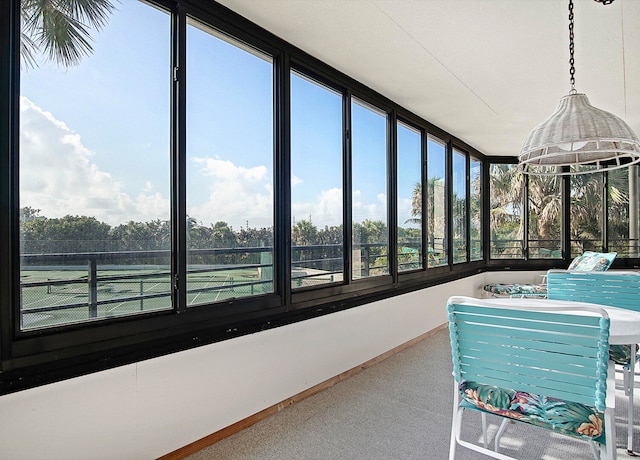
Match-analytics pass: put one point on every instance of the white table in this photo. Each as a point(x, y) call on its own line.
point(624, 326)
point(624, 329)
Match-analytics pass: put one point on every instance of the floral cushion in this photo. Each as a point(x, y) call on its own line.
point(538, 290)
point(622, 354)
point(565, 417)
point(592, 261)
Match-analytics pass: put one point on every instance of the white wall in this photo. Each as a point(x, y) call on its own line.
point(150, 408)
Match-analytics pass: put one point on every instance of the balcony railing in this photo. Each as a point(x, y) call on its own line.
point(65, 288)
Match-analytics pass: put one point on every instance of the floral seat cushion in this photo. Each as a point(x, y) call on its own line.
point(622, 354)
point(516, 289)
point(566, 417)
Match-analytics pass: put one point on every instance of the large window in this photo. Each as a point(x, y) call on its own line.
point(586, 212)
point(229, 168)
point(506, 213)
point(370, 235)
point(459, 207)
point(316, 183)
point(475, 207)
point(94, 176)
point(623, 222)
point(409, 161)
point(545, 217)
point(436, 203)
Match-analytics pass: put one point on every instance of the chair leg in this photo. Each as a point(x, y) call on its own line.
point(630, 384)
point(456, 428)
point(499, 433)
point(485, 443)
point(608, 450)
point(595, 451)
point(456, 421)
point(625, 380)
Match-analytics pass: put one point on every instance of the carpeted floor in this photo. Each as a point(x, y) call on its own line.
point(400, 408)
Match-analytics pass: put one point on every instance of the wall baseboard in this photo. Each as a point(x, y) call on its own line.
point(202, 443)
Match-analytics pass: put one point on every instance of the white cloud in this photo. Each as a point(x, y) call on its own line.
point(405, 206)
point(363, 210)
point(59, 176)
point(295, 180)
point(326, 210)
point(236, 195)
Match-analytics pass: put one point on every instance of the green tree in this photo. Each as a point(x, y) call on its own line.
point(304, 233)
point(506, 210)
point(331, 235)
point(255, 237)
point(65, 234)
point(142, 236)
point(199, 236)
point(223, 236)
point(545, 210)
point(416, 205)
point(28, 213)
point(61, 29)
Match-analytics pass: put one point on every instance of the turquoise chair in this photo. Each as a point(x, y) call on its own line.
point(612, 288)
point(543, 366)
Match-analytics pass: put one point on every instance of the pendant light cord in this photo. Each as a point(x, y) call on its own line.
point(572, 67)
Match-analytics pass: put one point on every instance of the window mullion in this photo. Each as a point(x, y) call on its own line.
point(178, 158)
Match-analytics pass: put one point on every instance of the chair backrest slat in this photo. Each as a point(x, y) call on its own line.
point(542, 351)
point(612, 288)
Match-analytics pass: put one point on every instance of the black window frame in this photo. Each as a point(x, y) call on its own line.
point(35, 357)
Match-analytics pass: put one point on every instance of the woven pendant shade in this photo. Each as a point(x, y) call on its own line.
point(578, 133)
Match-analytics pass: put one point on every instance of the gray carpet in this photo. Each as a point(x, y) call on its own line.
point(400, 408)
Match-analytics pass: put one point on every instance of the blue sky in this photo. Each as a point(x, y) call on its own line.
point(95, 138)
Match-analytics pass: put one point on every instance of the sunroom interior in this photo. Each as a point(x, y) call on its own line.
point(217, 208)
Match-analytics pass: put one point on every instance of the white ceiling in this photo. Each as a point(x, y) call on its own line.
point(487, 71)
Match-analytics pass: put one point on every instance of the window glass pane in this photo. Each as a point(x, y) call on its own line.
point(459, 208)
point(229, 169)
point(623, 201)
point(369, 188)
point(94, 176)
point(586, 212)
point(436, 203)
point(316, 184)
point(506, 189)
point(475, 239)
point(409, 151)
point(545, 217)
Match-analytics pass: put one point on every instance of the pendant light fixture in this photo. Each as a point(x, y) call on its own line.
point(578, 134)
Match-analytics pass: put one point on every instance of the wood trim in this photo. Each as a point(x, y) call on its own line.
point(202, 443)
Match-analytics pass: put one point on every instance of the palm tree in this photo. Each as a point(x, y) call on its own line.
point(506, 209)
point(545, 211)
point(60, 29)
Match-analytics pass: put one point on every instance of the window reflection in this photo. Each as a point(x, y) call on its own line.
point(586, 212)
point(94, 176)
point(409, 198)
point(369, 188)
point(229, 168)
point(506, 213)
point(623, 221)
point(436, 203)
point(316, 184)
point(459, 207)
point(475, 205)
point(545, 217)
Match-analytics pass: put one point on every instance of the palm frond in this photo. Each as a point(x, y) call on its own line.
point(61, 29)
